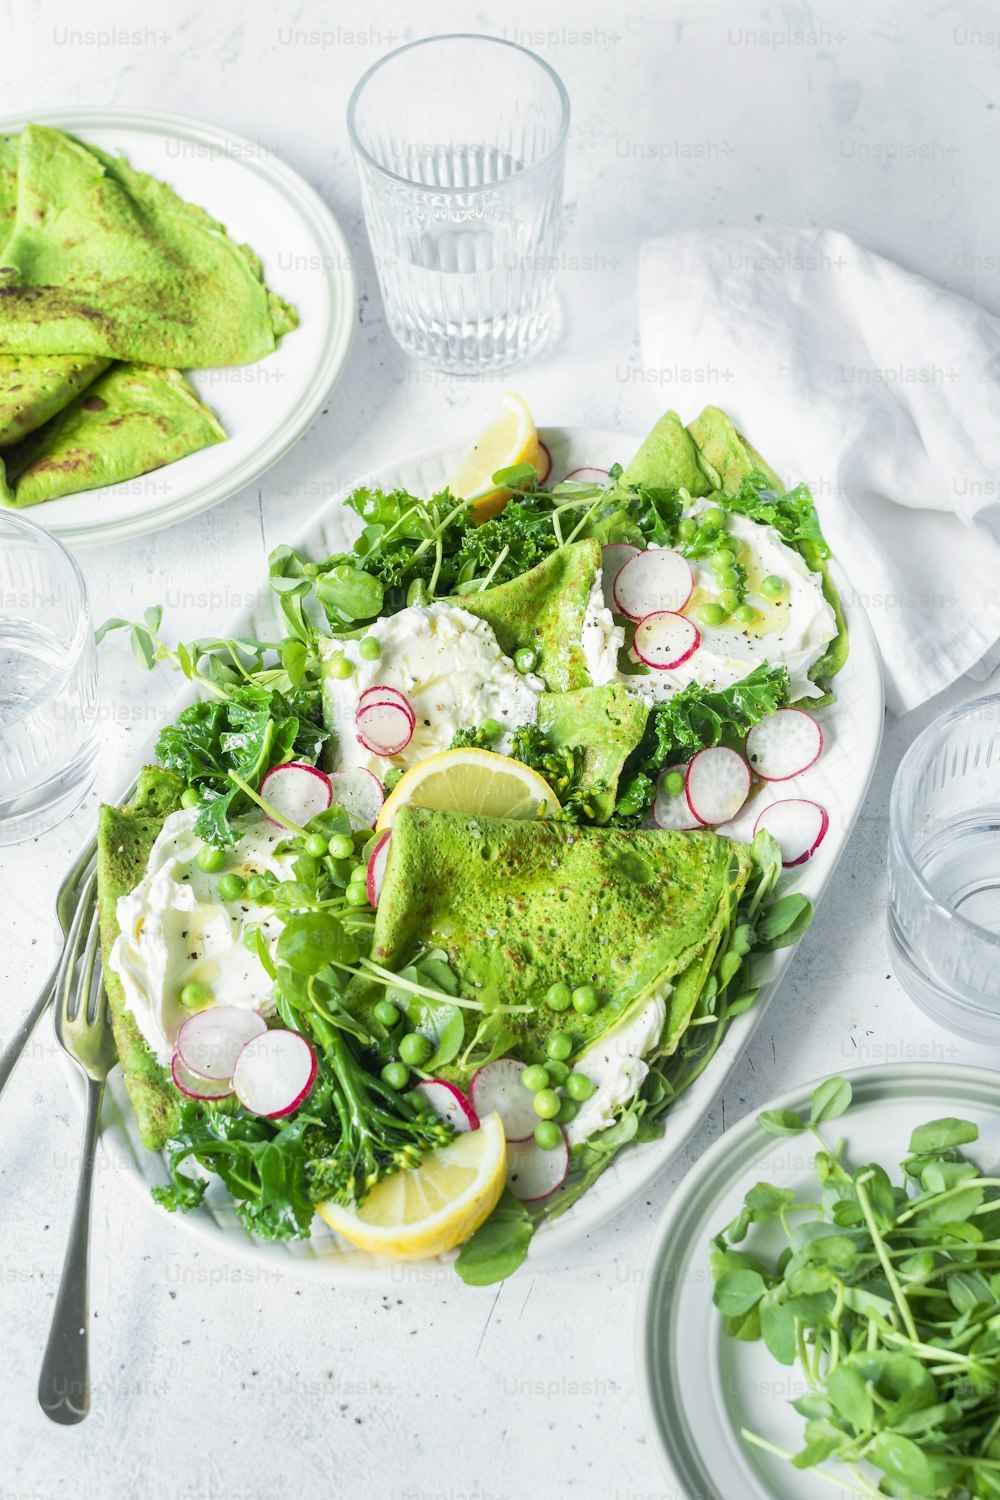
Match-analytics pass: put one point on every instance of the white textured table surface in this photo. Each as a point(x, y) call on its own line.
point(211, 1383)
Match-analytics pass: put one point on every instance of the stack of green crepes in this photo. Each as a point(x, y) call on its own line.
point(110, 284)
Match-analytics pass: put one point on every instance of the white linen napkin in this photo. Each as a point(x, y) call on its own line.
point(878, 388)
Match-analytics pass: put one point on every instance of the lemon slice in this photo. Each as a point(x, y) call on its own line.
point(510, 439)
point(471, 781)
point(415, 1214)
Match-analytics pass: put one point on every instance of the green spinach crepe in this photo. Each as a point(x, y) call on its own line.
point(131, 420)
point(519, 906)
point(104, 260)
point(34, 387)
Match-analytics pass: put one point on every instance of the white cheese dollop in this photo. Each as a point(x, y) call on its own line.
point(451, 668)
point(614, 1063)
point(601, 638)
point(175, 929)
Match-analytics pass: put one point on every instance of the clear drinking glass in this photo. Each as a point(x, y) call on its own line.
point(460, 143)
point(48, 682)
point(944, 870)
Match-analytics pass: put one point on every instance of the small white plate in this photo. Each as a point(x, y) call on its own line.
point(852, 727)
point(699, 1387)
point(265, 407)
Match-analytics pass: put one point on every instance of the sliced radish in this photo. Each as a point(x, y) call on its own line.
point(659, 579)
point(274, 1073)
point(195, 1087)
point(614, 556)
point(211, 1040)
point(716, 785)
point(586, 476)
point(665, 640)
point(376, 868)
point(798, 825)
point(545, 467)
point(382, 693)
point(670, 809)
point(498, 1087)
point(297, 791)
point(359, 793)
point(450, 1103)
point(784, 744)
point(533, 1173)
point(384, 728)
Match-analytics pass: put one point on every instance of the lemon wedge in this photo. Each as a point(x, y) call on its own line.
point(415, 1214)
point(471, 781)
point(511, 438)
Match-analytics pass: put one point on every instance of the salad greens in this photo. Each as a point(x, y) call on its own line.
point(887, 1296)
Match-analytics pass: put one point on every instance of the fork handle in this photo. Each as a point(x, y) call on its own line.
point(64, 1384)
point(11, 1055)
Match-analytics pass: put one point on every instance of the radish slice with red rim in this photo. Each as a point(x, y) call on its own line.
point(297, 791)
point(382, 693)
point(376, 868)
point(498, 1087)
point(784, 744)
point(274, 1073)
point(665, 640)
point(614, 556)
point(586, 475)
point(449, 1103)
point(659, 579)
point(212, 1039)
point(384, 728)
point(196, 1087)
point(533, 1173)
point(799, 826)
point(545, 467)
point(359, 793)
point(670, 809)
point(717, 785)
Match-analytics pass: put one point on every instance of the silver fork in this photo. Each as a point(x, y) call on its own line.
point(83, 1030)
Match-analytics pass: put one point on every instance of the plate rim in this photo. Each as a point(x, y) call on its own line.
point(694, 1193)
point(652, 1158)
point(330, 240)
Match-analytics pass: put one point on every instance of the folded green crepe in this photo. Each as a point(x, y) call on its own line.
point(608, 722)
point(544, 609)
point(133, 419)
point(105, 260)
point(33, 387)
point(518, 906)
point(125, 835)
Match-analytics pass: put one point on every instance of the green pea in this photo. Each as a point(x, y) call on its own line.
point(772, 586)
point(535, 1078)
point(546, 1103)
point(415, 1048)
point(712, 614)
point(559, 1047)
point(673, 782)
point(524, 659)
point(745, 615)
point(341, 846)
point(339, 666)
point(386, 1014)
point(728, 577)
point(579, 1087)
point(359, 875)
point(567, 1111)
point(723, 557)
point(548, 1135)
point(396, 1075)
point(558, 997)
point(714, 518)
point(189, 797)
point(729, 600)
point(370, 647)
point(418, 593)
point(210, 859)
point(585, 1000)
point(687, 529)
point(258, 888)
point(391, 777)
point(356, 894)
point(316, 845)
point(232, 887)
point(491, 729)
point(558, 1071)
point(193, 995)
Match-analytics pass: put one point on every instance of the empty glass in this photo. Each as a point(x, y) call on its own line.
point(48, 682)
point(460, 143)
point(944, 870)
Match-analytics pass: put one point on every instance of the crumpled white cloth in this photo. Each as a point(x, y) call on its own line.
point(878, 388)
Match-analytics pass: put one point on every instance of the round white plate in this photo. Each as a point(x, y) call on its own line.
point(265, 407)
point(698, 1386)
point(852, 728)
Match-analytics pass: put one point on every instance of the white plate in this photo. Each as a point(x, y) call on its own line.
point(265, 407)
point(853, 730)
point(698, 1386)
